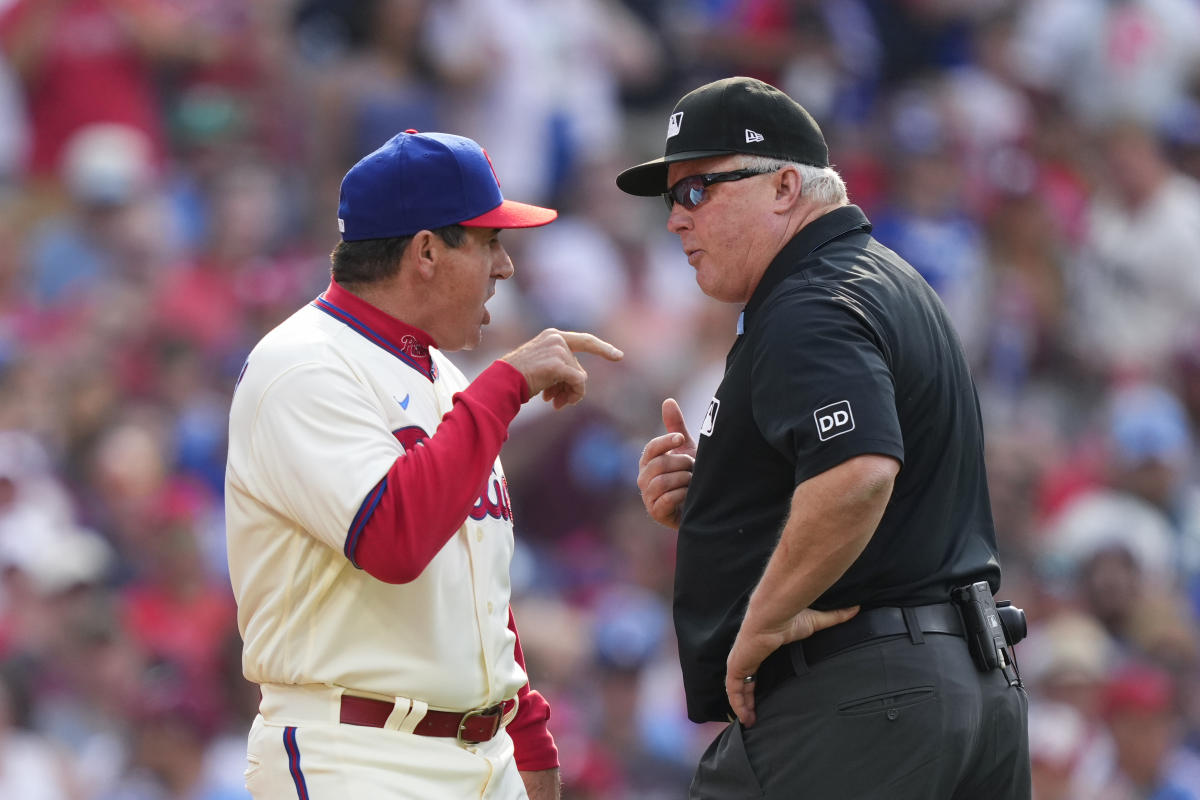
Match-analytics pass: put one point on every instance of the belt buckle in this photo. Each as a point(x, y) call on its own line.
point(495, 710)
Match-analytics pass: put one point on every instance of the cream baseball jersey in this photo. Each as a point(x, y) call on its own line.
point(325, 406)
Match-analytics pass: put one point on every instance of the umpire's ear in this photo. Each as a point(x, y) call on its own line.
point(788, 185)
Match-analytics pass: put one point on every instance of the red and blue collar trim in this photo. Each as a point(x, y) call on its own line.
point(410, 345)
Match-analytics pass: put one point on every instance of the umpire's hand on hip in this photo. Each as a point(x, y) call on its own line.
point(753, 644)
point(549, 365)
point(665, 468)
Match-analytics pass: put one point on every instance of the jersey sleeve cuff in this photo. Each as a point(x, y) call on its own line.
point(501, 389)
point(533, 745)
point(514, 375)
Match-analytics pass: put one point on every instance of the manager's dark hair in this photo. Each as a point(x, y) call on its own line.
point(371, 260)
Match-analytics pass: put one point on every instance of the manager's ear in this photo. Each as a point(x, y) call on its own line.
point(788, 185)
point(425, 251)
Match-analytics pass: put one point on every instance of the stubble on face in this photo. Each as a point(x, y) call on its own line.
point(716, 236)
point(469, 281)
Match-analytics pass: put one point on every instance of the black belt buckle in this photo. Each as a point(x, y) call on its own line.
point(981, 621)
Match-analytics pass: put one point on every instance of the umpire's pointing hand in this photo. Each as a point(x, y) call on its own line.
point(549, 365)
point(665, 469)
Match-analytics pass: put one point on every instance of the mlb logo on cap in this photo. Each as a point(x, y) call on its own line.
point(424, 181)
point(674, 123)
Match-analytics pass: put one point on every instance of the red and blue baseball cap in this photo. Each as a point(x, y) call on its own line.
point(423, 181)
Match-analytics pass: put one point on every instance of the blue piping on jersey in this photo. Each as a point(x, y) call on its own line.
point(359, 327)
point(360, 519)
point(241, 374)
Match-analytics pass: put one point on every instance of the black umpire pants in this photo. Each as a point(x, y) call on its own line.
point(888, 719)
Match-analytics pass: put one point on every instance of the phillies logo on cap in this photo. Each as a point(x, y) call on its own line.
point(490, 164)
point(674, 123)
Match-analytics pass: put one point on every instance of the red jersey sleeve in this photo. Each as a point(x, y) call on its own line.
point(432, 487)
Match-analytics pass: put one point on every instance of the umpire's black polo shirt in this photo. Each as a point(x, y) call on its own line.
point(845, 350)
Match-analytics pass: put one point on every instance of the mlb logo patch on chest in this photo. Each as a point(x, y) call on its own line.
point(710, 417)
point(833, 420)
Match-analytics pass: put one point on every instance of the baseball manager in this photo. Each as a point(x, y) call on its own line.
point(368, 517)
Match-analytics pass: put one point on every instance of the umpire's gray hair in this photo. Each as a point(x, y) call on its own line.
point(821, 185)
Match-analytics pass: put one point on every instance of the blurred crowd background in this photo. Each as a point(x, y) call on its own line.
point(169, 173)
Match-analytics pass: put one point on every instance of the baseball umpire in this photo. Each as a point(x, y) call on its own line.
point(839, 467)
point(368, 518)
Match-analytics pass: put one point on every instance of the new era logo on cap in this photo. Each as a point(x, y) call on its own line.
point(674, 123)
point(753, 136)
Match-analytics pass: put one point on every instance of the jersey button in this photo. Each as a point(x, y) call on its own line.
point(491, 607)
point(479, 535)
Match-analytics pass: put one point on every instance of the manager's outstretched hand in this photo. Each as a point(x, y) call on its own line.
point(665, 468)
point(549, 365)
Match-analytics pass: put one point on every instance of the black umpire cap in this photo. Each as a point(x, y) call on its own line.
point(732, 115)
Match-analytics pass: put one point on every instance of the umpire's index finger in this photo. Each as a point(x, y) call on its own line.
point(587, 343)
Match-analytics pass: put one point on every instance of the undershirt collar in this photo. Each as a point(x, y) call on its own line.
point(406, 342)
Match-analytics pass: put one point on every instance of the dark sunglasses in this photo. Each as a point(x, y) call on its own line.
point(690, 192)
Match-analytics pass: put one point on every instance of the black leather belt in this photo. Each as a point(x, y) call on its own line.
point(874, 623)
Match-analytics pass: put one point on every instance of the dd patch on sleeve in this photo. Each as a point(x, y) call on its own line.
point(833, 420)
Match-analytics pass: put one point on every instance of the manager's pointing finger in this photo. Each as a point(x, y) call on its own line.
point(548, 363)
point(587, 343)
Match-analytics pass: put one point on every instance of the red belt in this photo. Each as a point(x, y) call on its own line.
point(472, 726)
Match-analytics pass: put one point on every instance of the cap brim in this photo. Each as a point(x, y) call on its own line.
point(650, 179)
point(511, 214)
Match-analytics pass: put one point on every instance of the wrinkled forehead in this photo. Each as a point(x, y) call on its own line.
point(682, 169)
